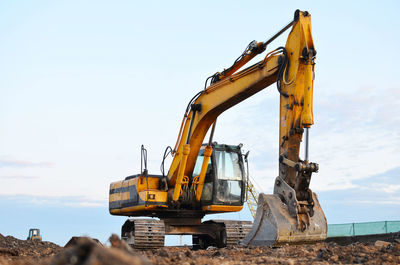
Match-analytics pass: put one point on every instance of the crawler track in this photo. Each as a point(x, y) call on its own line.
point(236, 231)
point(144, 233)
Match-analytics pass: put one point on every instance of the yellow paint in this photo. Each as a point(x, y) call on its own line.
point(307, 115)
point(159, 196)
point(245, 59)
point(222, 208)
point(137, 208)
point(144, 183)
point(116, 185)
point(296, 110)
point(207, 154)
point(182, 166)
point(119, 196)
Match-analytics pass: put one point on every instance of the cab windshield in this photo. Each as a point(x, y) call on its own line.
point(229, 176)
point(224, 177)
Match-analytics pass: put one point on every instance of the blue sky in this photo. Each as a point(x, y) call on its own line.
point(85, 83)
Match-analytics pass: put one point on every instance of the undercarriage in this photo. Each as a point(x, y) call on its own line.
point(150, 233)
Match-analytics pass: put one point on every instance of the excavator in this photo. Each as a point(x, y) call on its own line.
point(34, 234)
point(209, 178)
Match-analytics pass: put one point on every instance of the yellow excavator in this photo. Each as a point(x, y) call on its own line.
point(211, 178)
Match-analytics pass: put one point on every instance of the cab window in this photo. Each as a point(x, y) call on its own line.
point(229, 177)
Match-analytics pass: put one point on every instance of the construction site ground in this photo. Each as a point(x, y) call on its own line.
point(89, 252)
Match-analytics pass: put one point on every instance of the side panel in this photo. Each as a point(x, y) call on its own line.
point(124, 198)
point(221, 208)
point(123, 194)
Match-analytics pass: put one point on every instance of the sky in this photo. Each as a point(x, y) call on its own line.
point(84, 83)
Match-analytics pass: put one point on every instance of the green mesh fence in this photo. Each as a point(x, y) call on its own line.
point(359, 229)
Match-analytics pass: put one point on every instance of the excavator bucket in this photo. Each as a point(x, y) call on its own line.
point(273, 225)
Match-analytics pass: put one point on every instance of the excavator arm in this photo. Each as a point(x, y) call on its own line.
point(292, 68)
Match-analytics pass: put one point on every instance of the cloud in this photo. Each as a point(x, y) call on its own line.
point(59, 201)
point(387, 188)
point(8, 163)
point(19, 177)
point(396, 201)
point(86, 204)
point(356, 135)
point(379, 189)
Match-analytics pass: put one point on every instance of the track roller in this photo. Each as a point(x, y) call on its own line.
point(144, 233)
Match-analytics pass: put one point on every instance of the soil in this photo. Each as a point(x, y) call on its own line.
point(15, 249)
point(88, 252)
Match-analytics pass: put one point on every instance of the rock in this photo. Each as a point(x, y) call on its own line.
point(116, 242)
point(389, 258)
point(163, 253)
point(88, 252)
point(323, 253)
point(216, 254)
point(334, 258)
point(384, 244)
point(188, 253)
point(398, 247)
point(75, 239)
point(6, 252)
point(291, 262)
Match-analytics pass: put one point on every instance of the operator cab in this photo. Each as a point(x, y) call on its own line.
point(225, 177)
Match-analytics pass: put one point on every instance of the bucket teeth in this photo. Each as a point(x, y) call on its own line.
point(273, 225)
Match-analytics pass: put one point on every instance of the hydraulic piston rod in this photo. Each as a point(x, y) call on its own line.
point(306, 145)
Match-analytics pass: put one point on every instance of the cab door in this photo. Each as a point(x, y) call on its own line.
point(229, 184)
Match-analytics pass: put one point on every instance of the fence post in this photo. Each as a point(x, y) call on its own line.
point(354, 230)
point(386, 227)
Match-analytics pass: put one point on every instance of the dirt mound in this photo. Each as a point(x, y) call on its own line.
point(13, 247)
point(82, 250)
point(87, 252)
point(321, 253)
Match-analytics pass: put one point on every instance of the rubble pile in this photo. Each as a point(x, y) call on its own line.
point(321, 253)
point(89, 252)
point(12, 248)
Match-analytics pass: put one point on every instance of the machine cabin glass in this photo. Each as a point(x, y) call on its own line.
point(225, 177)
point(229, 177)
